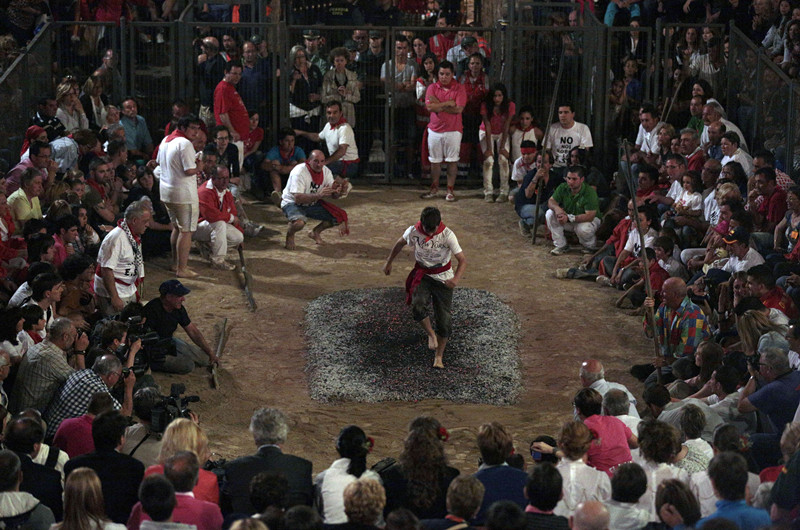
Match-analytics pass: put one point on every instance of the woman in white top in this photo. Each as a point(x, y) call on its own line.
point(353, 446)
point(70, 111)
point(83, 504)
point(581, 482)
point(659, 442)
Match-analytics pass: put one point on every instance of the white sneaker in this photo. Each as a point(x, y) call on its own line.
point(560, 250)
point(432, 194)
point(222, 265)
point(450, 197)
point(605, 281)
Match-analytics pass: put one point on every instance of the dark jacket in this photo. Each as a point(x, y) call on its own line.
point(396, 485)
point(42, 482)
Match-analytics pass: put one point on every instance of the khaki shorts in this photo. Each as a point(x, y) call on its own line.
point(183, 216)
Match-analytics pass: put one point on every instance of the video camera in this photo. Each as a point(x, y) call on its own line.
point(154, 349)
point(171, 407)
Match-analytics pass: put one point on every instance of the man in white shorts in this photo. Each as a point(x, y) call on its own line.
point(432, 278)
point(445, 99)
point(120, 266)
point(178, 187)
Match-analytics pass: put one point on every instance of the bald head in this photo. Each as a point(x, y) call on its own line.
point(591, 371)
point(673, 292)
point(590, 515)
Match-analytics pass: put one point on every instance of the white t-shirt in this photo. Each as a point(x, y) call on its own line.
point(751, 259)
point(729, 126)
point(711, 209)
point(562, 140)
point(520, 170)
point(743, 158)
point(634, 243)
point(691, 200)
point(117, 254)
point(175, 158)
point(675, 190)
point(343, 134)
point(436, 252)
point(648, 141)
point(300, 182)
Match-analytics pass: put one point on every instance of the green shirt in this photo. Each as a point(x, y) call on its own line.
point(696, 123)
point(583, 201)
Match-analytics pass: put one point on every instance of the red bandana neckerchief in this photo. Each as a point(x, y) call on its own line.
point(287, 157)
point(177, 133)
point(316, 176)
point(418, 272)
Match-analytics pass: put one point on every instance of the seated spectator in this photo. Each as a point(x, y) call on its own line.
point(726, 440)
point(120, 474)
point(137, 135)
point(302, 518)
point(422, 463)
point(70, 109)
point(616, 403)
point(767, 203)
point(16, 506)
point(500, 481)
point(83, 503)
point(662, 408)
point(352, 446)
point(164, 314)
point(219, 228)
point(102, 194)
point(464, 498)
point(628, 484)
point(181, 469)
point(279, 162)
point(612, 440)
point(733, 153)
point(182, 435)
point(41, 246)
point(676, 505)
point(46, 291)
point(270, 430)
point(25, 436)
point(707, 358)
point(33, 323)
point(89, 241)
point(65, 236)
point(528, 195)
point(39, 162)
point(543, 491)
point(695, 453)
point(658, 444)
point(74, 435)
point(573, 207)
point(72, 399)
point(227, 151)
point(761, 283)
point(77, 299)
point(24, 203)
point(44, 367)
point(364, 500)
point(777, 398)
point(505, 515)
point(521, 166)
point(581, 482)
point(724, 398)
point(158, 500)
point(268, 495)
point(140, 441)
point(590, 515)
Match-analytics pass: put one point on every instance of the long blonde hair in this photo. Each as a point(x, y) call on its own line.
point(84, 508)
point(183, 435)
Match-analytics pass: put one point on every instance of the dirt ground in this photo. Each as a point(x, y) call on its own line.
point(562, 322)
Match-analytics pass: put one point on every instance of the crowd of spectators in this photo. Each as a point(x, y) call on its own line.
point(707, 209)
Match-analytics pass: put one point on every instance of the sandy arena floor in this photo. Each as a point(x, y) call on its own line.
point(562, 322)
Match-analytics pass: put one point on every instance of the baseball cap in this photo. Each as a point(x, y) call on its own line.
point(256, 39)
point(375, 34)
point(468, 41)
point(174, 287)
point(311, 34)
point(738, 234)
point(351, 45)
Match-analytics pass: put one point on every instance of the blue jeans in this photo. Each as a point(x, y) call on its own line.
point(301, 212)
point(344, 170)
point(187, 356)
point(528, 211)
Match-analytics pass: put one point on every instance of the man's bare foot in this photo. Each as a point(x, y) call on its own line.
point(432, 342)
point(437, 363)
point(289, 243)
point(186, 273)
point(316, 237)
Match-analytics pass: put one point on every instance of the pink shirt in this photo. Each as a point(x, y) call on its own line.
point(74, 436)
point(497, 120)
point(610, 445)
point(442, 122)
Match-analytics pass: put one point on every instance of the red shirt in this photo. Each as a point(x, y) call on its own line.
point(476, 92)
point(658, 275)
point(74, 436)
point(228, 101)
point(439, 44)
point(774, 207)
point(444, 121)
point(497, 120)
point(695, 162)
point(778, 299)
point(206, 489)
point(609, 447)
point(253, 137)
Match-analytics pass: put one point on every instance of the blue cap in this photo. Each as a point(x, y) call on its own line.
point(174, 287)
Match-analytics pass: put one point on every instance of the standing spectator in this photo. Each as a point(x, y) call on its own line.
point(120, 474)
point(229, 109)
point(341, 84)
point(211, 70)
point(445, 100)
point(313, 41)
point(399, 76)
point(83, 503)
point(270, 430)
point(137, 135)
point(567, 134)
point(178, 187)
point(496, 113)
point(120, 266)
point(255, 86)
point(305, 93)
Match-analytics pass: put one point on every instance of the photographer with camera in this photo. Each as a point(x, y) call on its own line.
point(163, 315)
point(113, 336)
point(141, 441)
point(72, 399)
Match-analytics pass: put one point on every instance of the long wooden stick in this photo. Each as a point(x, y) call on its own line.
point(649, 311)
point(540, 187)
point(248, 280)
point(222, 327)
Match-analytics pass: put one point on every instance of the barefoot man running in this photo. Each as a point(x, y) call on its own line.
point(432, 277)
point(308, 184)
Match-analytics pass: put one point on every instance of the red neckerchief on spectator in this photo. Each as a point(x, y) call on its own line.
point(439, 229)
point(341, 121)
point(35, 336)
point(455, 518)
point(644, 192)
point(32, 133)
point(287, 157)
point(177, 133)
point(316, 176)
point(98, 187)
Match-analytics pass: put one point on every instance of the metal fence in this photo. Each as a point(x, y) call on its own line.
point(157, 63)
point(763, 101)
